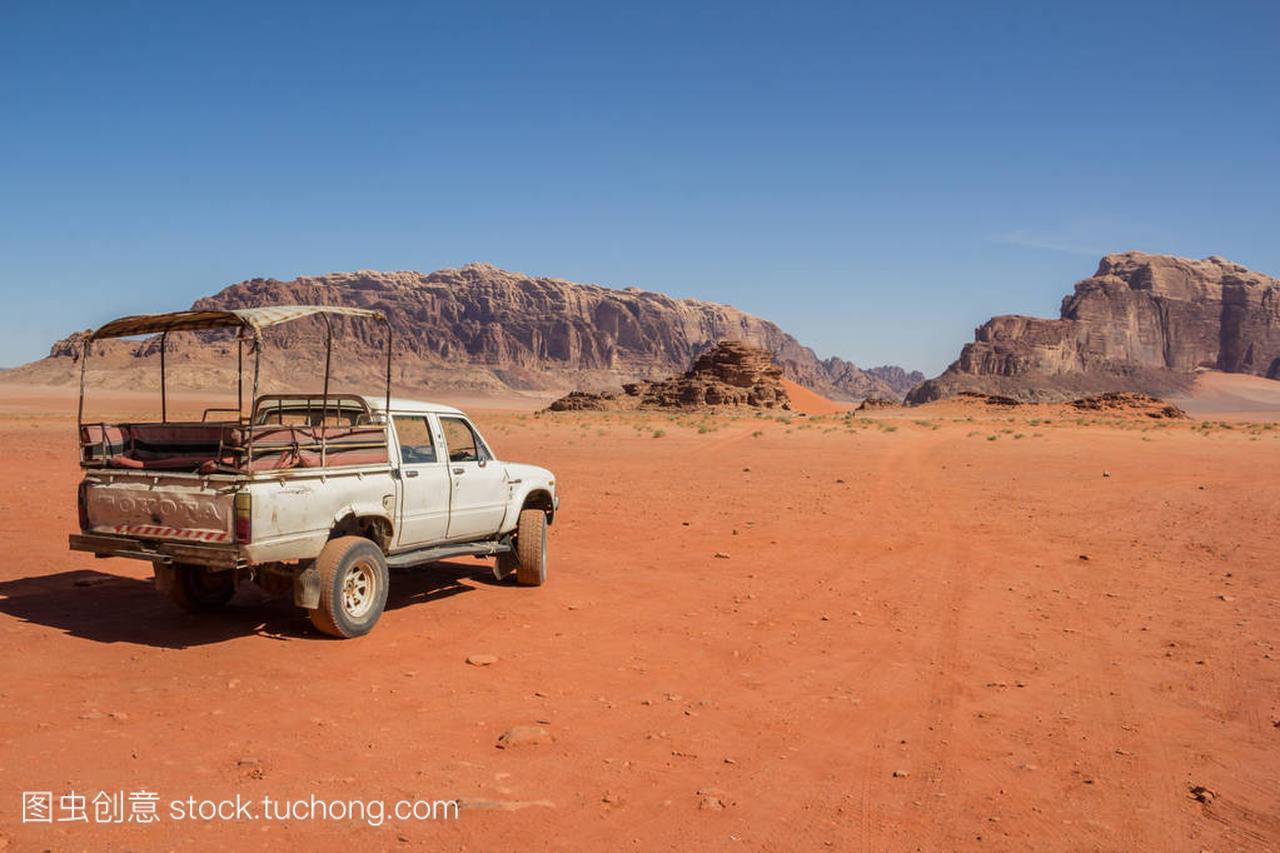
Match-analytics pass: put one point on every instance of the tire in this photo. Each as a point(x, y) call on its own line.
point(353, 587)
point(195, 589)
point(531, 548)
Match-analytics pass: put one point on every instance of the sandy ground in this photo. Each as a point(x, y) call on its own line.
point(931, 630)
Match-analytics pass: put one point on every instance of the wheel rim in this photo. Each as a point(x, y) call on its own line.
point(359, 589)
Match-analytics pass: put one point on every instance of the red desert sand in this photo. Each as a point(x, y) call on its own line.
point(935, 628)
point(811, 403)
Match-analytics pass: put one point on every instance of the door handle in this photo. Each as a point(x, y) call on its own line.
point(459, 470)
point(411, 473)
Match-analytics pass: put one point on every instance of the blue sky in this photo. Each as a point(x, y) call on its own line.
point(878, 179)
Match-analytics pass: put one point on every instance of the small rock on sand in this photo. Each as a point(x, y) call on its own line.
point(481, 659)
point(721, 555)
point(713, 799)
point(901, 774)
point(523, 736)
point(1202, 794)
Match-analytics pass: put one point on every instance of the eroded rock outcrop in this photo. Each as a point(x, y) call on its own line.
point(731, 373)
point(1122, 402)
point(1141, 323)
point(584, 401)
point(874, 403)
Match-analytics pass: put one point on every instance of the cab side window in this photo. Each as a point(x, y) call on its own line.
point(464, 444)
point(416, 445)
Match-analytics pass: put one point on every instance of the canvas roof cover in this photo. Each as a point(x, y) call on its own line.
point(253, 318)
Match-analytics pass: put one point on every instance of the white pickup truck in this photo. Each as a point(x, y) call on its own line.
point(317, 494)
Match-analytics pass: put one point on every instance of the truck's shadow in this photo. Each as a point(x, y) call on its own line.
point(109, 608)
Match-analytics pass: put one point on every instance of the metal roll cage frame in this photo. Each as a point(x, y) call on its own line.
point(251, 320)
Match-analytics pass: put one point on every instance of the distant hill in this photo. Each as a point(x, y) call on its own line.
point(473, 328)
point(1142, 323)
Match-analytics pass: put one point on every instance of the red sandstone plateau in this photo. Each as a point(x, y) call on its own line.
point(1140, 323)
point(476, 329)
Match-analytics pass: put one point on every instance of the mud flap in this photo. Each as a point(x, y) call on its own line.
point(164, 577)
point(306, 588)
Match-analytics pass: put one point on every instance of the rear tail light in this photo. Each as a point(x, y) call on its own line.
point(82, 504)
point(244, 517)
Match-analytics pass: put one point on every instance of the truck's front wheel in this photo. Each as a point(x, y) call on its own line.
point(531, 548)
point(353, 587)
point(196, 589)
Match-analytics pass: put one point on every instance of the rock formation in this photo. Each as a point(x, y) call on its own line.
point(732, 373)
point(1129, 403)
point(584, 401)
point(1141, 323)
point(480, 327)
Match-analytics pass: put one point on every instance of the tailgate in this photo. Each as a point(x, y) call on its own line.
point(158, 507)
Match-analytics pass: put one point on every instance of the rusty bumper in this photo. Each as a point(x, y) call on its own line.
point(156, 551)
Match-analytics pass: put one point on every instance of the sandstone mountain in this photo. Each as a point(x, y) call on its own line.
point(892, 375)
point(1141, 323)
point(480, 328)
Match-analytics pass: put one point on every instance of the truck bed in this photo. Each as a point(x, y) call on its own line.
point(209, 448)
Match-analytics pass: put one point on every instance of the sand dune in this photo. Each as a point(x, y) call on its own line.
point(811, 402)
point(1233, 394)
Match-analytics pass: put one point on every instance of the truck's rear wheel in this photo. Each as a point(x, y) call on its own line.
point(353, 587)
point(531, 548)
point(197, 590)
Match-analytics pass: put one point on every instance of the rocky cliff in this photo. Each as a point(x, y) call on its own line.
point(481, 327)
point(1141, 323)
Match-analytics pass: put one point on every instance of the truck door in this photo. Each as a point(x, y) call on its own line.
point(425, 483)
point(479, 498)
